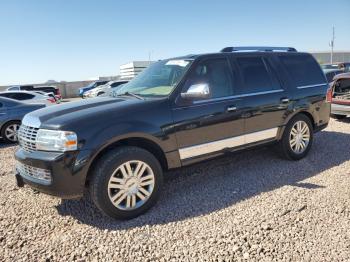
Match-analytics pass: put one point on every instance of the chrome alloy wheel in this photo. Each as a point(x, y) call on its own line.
point(11, 132)
point(299, 137)
point(131, 185)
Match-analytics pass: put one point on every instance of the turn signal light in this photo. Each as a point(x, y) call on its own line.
point(329, 95)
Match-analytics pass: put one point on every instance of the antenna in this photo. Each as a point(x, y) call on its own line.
point(331, 44)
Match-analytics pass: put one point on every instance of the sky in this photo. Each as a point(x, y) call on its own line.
point(66, 40)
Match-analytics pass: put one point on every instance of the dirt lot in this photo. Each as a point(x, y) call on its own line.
point(249, 206)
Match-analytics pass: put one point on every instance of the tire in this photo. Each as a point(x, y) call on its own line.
point(109, 182)
point(339, 117)
point(7, 131)
point(287, 149)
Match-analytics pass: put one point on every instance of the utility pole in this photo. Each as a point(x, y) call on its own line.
point(149, 55)
point(332, 45)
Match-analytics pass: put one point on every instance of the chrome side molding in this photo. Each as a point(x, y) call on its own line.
point(238, 96)
point(232, 142)
point(309, 86)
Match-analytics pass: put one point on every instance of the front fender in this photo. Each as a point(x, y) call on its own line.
point(116, 132)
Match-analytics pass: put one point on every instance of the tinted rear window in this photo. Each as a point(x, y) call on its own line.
point(8, 95)
point(22, 96)
point(47, 89)
point(117, 84)
point(303, 70)
point(255, 74)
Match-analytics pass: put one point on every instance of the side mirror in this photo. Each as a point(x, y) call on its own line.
point(197, 91)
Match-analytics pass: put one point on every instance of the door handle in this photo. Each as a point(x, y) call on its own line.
point(231, 108)
point(285, 100)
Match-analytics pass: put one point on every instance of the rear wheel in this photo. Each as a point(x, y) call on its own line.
point(297, 138)
point(126, 182)
point(9, 131)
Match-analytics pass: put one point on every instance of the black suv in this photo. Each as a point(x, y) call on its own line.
point(176, 112)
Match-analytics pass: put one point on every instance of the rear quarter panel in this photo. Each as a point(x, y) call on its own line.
point(310, 99)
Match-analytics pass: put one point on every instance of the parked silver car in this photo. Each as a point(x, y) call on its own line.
point(30, 97)
point(11, 114)
point(104, 89)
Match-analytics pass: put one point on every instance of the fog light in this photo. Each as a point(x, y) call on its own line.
point(33, 173)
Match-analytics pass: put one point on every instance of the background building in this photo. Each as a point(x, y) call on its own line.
point(132, 69)
point(325, 57)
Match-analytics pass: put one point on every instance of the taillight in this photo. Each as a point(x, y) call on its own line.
point(52, 100)
point(329, 95)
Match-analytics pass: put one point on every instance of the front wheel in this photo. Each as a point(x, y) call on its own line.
point(297, 138)
point(126, 182)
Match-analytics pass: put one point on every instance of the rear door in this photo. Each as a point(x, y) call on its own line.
point(265, 101)
point(208, 127)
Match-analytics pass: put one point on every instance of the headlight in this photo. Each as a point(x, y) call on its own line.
point(55, 140)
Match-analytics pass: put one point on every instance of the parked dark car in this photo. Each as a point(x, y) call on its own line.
point(340, 96)
point(46, 89)
point(175, 113)
point(331, 73)
point(11, 114)
point(89, 87)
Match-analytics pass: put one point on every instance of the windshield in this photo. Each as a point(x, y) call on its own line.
point(158, 80)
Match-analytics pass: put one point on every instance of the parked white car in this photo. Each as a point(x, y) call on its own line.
point(30, 97)
point(104, 89)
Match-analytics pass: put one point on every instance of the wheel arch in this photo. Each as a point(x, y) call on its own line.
point(9, 121)
point(302, 112)
point(140, 142)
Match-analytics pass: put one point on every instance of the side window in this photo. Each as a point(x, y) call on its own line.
point(214, 72)
point(256, 75)
point(22, 96)
point(303, 70)
point(13, 88)
point(8, 95)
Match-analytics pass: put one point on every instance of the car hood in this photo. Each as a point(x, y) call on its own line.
point(71, 114)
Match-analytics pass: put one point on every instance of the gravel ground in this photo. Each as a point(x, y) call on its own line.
point(250, 206)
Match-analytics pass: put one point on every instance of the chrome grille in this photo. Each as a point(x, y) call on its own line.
point(26, 137)
point(33, 172)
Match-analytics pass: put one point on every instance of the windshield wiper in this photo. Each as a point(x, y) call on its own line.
point(132, 94)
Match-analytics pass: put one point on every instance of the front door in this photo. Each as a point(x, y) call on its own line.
point(208, 127)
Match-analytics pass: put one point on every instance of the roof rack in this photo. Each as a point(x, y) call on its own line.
point(257, 48)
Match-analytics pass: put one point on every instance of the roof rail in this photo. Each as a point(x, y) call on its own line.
point(257, 48)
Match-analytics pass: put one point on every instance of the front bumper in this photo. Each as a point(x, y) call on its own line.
point(68, 172)
point(89, 95)
point(337, 109)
